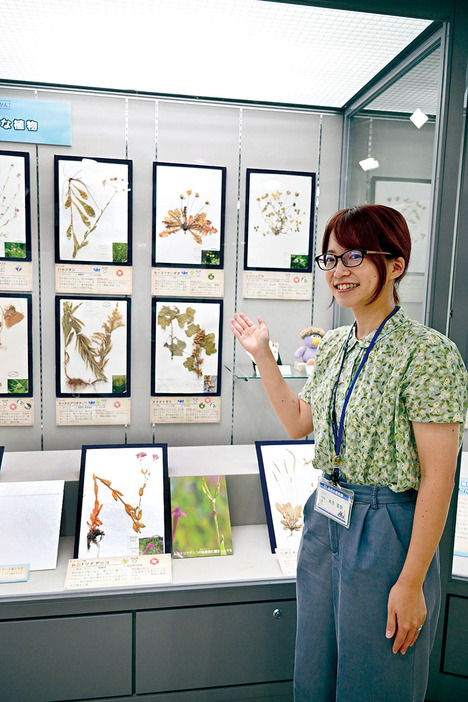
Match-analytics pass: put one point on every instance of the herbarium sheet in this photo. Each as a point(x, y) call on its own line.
point(124, 501)
point(288, 478)
point(188, 215)
point(15, 344)
point(186, 347)
point(279, 220)
point(92, 348)
point(15, 216)
point(93, 210)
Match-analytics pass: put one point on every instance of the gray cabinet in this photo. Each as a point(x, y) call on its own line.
point(180, 645)
point(66, 658)
point(203, 647)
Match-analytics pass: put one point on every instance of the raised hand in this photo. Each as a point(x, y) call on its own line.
point(253, 337)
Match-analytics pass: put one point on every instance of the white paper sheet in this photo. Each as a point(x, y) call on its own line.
point(30, 516)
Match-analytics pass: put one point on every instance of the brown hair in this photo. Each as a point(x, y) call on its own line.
point(373, 227)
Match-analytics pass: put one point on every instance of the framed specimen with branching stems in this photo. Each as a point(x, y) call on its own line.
point(186, 336)
point(15, 206)
point(279, 220)
point(16, 344)
point(188, 215)
point(93, 210)
point(124, 501)
point(92, 346)
point(288, 479)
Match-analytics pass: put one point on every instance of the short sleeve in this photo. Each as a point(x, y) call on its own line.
point(436, 387)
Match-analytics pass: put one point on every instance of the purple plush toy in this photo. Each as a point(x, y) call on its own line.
point(311, 337)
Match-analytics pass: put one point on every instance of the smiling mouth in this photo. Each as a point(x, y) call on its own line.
point(346, 286)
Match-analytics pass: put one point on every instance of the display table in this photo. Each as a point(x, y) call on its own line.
point(222, 630)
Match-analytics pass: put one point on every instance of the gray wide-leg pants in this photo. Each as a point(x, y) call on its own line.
point(344, 577)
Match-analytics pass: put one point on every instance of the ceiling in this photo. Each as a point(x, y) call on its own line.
point(233, 49)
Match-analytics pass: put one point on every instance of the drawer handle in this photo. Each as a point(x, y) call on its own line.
point(277, 613)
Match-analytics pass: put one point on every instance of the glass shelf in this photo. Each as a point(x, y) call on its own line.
point(247, 372)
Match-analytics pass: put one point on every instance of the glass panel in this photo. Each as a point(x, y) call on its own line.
point(391, 163)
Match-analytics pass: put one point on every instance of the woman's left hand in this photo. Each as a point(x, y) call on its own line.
point(406, 615)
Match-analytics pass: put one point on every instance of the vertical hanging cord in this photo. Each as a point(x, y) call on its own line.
point(126, 156)
point(39, 296)
point(369, 155)
point(236, 276)
point(317, 202)
point(156, 135)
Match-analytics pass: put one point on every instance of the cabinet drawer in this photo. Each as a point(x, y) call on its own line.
point(69, 658)
point(190, 648)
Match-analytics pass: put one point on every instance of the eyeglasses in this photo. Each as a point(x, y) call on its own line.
point(350, 259)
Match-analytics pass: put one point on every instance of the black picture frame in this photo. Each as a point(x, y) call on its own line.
point(281, 219)
point(16, 206)
point(121, 491)
point(163, 344)
point(67, 322)
point(12, 385)
point(284, 491)
point(188, 191)
point(100, 193)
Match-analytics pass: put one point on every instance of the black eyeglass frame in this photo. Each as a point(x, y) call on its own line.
point(339, 257)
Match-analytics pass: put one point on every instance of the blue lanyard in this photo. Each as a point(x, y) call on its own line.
point(338, 430)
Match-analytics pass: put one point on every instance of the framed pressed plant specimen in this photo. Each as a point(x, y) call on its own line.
point(201, 524)
point(412, 198)
point(188, 215)
point(92, 346)
point(186, 335)
point(279, 220)
point(93, 210)
point(15, 209)
point(288, 479)
point(15, 344)
point(124, 501)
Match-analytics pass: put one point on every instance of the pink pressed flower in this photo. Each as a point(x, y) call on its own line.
point(142, 454)
point(155, 456)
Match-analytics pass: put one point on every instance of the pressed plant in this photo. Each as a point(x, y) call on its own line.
point(9, 210)
point(95, 533)
point(289, 509)
point(185, 219)
point(93, 351)
point(279, 212)
point(212, 499)
point(83, 207)
point(9, 316)
point(202, 342)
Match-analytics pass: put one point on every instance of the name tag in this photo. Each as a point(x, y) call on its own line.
point(334, 501)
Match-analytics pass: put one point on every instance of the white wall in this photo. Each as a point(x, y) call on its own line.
point(217, 135)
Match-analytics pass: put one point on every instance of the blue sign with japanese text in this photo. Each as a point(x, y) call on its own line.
point(35, 121)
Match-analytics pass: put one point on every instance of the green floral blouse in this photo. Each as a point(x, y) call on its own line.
point(413, 373)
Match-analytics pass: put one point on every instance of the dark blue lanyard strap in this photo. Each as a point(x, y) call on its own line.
point(338, 430)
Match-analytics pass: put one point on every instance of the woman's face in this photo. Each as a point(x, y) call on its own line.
point(351, 287)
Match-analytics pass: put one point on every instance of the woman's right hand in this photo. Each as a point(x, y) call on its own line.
point(253, 337)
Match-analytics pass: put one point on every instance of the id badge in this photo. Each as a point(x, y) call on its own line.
point(334, 501)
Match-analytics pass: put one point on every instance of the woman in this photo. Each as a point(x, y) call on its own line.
point(387, 401)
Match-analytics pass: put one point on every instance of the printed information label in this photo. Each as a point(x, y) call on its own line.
point(96, 279)
point(15, 276)
point(127, 571)
point(17, 412)
point(84, 411)
point(287, 558)
point(185, 410)
point(276, 285)
point(15, 573)
point(187, 282)
point(460, 547)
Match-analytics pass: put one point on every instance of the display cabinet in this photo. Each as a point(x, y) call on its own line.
point(224, 629)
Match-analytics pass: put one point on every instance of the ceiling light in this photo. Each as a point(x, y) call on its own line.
point(368, 164)
point(418, 118)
